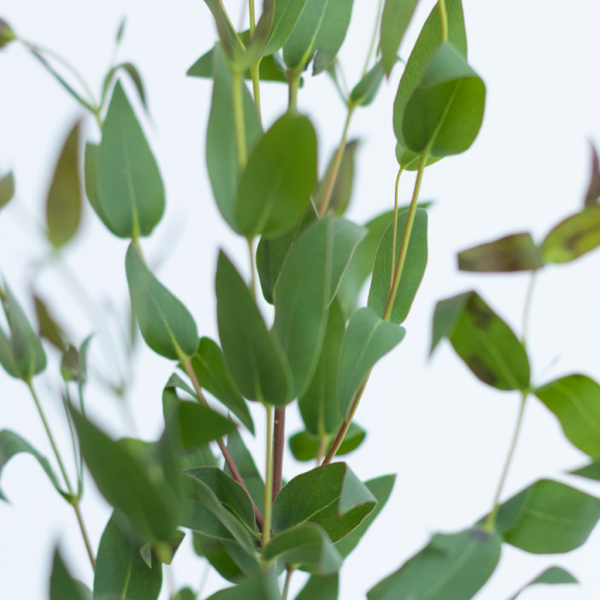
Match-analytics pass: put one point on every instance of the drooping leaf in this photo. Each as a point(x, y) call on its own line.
point(200, 424)
point(593, 191)
point(62, 585)
point(7, 189)
point(483, 340)
point(548, 518)
point(130, 188)
point(121, 570)
point(245, 463)
point(221, 145)
point(321, 588)
point(367, 339)
point(165, 323)
point(261, 587)
point(284, 22)
point(306, 545)
point(450, 567)
point(395, 20)
point(512, 253)
point(331, 496)
point(255, 360)
point(135, 76)
point(305, 446)
point(412, 273)
point(573, 237)
point(320, 31)
point(48, 328)
point(274, 191)
point(366, 89)
point(552, 576)
point(575, 400)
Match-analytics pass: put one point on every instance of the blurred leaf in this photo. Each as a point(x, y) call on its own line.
point(548, 518)
point(412, 273)
point(576, 235)
point(7, 189)
point(130, 188)
point(553, 575)
point(445, 112)
point(366, 89)
point(165, 551)
point(230, 40)
point(245, 463)
point(185, 593)
point(261, 587)
point(62, 585)
point(69, 365)
point(221, 145)
point(136, 78)
point(331, 496)
point(254, 357)
point(397, 15)
point(305, 446)
point(48, 327)
point(284, 22)
point(120, 569)
point(320, 31)
point(483, 340)
point(452, 566)
point(320, 588)
point(591, 471)
point(306, 545)
point(200, 424)
point(516, 252)
point(272, 204)
point(165, 323)
point(367, 339)
point(121, 30)
point(593, 191)
point(7, 35)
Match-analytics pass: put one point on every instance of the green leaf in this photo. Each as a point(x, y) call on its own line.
point(305, 446)
point(230, 40)
point(445, 112)
point(284, 22)
point(90, 170)
point(381, 488)
point(548, 518)
point(136, 78)
point(575, 400)
point(512, 253)
point(62, 585)
point(150, 504)
point(21, 355)
point(166, 325)
point(425, 47)
point(366, 89)
point(7, 35)
point(320, 588)
point(412, 273)
point(553, 575)
point(591, 471)
point(7, 189)
point(320, 31)
point(272, 204)
point(185, 593)
point(130, 188)
point(573, 237)
point(121, 570)
point(209, 366)
point(409, 161)
point(221, 145)
point(483, 340)
point(261, 587)
point(12, 444)
point(450, 567)
point(245, 463)
point(593, 191)
point(367, 339)
point(48, 328)
point(331, 496)
point(200, 424)
point(397, 15)
point(306, 545)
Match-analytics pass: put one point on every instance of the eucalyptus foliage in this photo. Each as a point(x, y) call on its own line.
point(198, 479)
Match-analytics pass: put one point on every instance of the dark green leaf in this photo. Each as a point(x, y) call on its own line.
point(320, 31)
point(200, 424)
point(261, 587)
point(331, 496)
point(136, 78)
point(553, 575)
point(121, 570)
point(62, 585)
point(593, 191)
point(284, 22)
point(130, 188)
point(92, 152)
point(450, 567)
point(576, 235)
point(366, 89)
point(245, 463)
point(367, 339)
point(320, 588)
point(48, 328)
point(548, 518)
point(7, 189)
point(305, 446)
point(254, 358)
point(516, 252)
point(165, 323)
point(395, 20)
point(483, 340)
point(412, 273)
point(209, 366)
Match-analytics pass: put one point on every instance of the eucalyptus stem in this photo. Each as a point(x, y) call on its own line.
point(252, 269)
point(527, 310)
point(238, 116)
point(255, 73)
point(288, 579)
point(373, 39)
point(266, 532)
point(443, 19)
point(395, 225)
point(252, 17)
point(278, 447)
point(293, 86)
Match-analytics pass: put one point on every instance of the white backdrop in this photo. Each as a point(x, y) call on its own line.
point(431, 422)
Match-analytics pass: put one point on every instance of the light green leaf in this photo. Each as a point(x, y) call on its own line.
point(230, 40)
point(366, 89)
point(409, 161)
point(284, 22)
point(483, 340)
point(120, 569)
point(130, 188)
point(573, 237)
point(7, 189)
point(165, 323)
point(320, 31)
point(320, 588)
point(367, 339)
point(254, 357)
point(450, 567)
point(397, 15)
point(261, 587)
point(200, 424)
point(90, 169)
point(274, 191)
point(331, 496)
point(516, 252)
point(62, 585)
point(305, 446)
point(548, 518)
point(412, 273)
point(245, 463)
point(553, 576)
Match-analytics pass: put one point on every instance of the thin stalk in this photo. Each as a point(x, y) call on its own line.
point(266, 532)
point(278, 446)
point(86, 539)
point(238, 116)
point(491, 520)
point(293, 86)
point(443, 19)
point(373, 39)
point(395, 225)
point(187, 365)
point(252, 269)
point(527, 310)
point(323, 441)
point(252, 17)
point(335, 167)
point(288, 579)
point(255, 73)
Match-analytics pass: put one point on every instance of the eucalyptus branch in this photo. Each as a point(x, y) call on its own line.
point(395, 224)
point(268, 500)
point(443, 19)
point(288, 578)
point(278, 448)
point(373, 38)
point(238, 114)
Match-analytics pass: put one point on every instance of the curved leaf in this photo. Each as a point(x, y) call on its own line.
point(553, 576)
point(321, 588)
point(305, 446)
point(136, 78)
point(366, 89)
point(62, 585)
point(397, 15)
point(7, 189)
point(284, 22)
